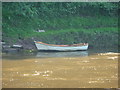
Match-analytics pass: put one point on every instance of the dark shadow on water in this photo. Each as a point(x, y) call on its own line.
point(50, 54)
point(62, 54)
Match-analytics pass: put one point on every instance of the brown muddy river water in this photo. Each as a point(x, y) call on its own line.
point(60, 70)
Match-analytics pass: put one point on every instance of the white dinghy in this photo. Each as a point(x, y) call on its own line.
point(43, 46)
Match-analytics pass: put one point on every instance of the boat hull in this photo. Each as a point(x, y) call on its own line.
point(43, 47)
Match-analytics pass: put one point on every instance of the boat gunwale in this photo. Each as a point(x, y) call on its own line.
point(73, 45)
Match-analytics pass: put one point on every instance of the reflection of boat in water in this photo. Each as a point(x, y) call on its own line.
point(62, 54)
point(74, 47)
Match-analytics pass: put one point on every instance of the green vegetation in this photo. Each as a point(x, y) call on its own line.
point(64, 22)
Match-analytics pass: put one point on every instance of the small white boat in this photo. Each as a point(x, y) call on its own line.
point(73, 47)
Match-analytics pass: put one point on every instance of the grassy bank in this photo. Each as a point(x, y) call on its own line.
point(68, 23)
point(22, 29)
point(106, 37)
point(96, 31)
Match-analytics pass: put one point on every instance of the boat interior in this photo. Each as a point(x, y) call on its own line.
point(79, 44)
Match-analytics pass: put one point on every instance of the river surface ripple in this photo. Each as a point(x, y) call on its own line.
point(99, 70)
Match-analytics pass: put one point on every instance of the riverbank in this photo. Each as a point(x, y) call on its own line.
point(98, 31)
point(97, 38)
